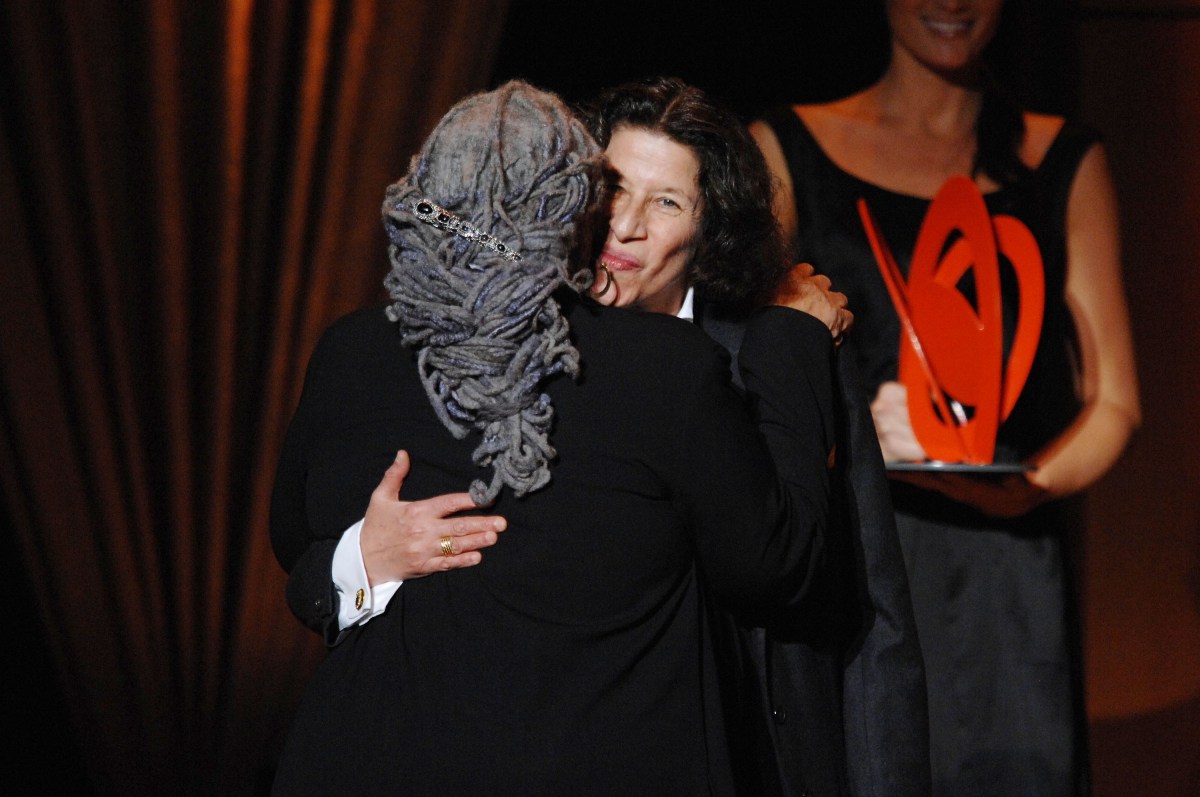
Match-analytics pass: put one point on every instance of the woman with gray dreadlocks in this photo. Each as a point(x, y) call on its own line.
point(575, 658)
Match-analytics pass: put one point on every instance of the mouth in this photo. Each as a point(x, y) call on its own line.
point(618, 262)
point(947, 28)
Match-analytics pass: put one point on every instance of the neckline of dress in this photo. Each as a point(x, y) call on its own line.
point(831, 163)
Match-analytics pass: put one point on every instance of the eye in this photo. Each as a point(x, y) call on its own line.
point(668, 205)
point(611, 193)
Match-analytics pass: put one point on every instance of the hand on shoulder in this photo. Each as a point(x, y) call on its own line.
point(805, 290)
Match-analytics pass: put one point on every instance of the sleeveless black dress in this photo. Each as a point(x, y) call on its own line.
point(993, 600)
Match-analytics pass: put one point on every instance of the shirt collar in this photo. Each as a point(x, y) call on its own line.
point(685, 311)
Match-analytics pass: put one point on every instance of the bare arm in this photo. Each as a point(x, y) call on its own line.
point(1111, 410)
point(784, 200)
point(803, 290)
point(1096, 297)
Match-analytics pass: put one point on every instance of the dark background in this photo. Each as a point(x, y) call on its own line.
point(755, 54)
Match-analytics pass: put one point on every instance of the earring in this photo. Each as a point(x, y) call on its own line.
point(608, 283)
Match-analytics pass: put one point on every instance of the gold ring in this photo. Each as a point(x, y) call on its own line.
point(607, 284)
point(447, 544)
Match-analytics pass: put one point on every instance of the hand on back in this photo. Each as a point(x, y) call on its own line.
point(402, 540)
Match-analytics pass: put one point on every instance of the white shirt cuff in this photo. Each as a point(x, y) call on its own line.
point(358, 601)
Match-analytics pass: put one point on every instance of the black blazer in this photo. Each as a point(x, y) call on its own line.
point(576, 658)
point(840, 688)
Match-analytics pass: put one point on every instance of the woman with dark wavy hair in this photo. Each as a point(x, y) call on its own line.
point(692, 234)
point(732, 253)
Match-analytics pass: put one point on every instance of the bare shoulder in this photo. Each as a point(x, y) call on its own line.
point(1040, 131)
point(1092, 203)
point(833, 119)
point(829, 124)
point(820, 119)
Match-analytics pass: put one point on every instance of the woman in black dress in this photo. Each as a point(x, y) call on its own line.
point(985, 554)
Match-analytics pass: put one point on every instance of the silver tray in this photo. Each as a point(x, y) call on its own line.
point(934, 466)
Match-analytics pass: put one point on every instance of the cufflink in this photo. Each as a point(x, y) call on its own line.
point(358, 598)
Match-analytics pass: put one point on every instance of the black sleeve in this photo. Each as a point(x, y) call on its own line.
point(786, 363)
point(308, 560)
point(758, 489)
point(311, 594)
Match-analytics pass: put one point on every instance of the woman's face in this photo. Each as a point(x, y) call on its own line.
point(655, 223)
point(947, 36)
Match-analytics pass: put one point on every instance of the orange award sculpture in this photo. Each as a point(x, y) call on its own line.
point(952, 344)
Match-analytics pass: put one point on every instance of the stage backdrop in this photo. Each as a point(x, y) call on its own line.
point(1140, 83)
point(189, 194)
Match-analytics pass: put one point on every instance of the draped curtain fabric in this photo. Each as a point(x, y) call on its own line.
point(189, 194)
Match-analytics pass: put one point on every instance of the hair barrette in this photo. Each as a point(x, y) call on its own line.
point(443, 219)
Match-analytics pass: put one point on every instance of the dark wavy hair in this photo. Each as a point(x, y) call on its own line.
point(999, 133)
point(740, 256)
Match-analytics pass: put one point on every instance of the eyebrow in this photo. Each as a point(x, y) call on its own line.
point(611, 173)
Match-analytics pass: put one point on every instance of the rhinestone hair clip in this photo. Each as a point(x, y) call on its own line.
point(443, 219)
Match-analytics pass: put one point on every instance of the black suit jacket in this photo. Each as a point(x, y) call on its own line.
point(840, 687)
point(577, 658)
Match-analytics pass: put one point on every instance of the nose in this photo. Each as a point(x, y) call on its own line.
point(627, 221)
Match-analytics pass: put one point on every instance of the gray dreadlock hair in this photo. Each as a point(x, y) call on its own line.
point(512, 174)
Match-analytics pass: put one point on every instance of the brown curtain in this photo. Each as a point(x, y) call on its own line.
point(189, 194)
